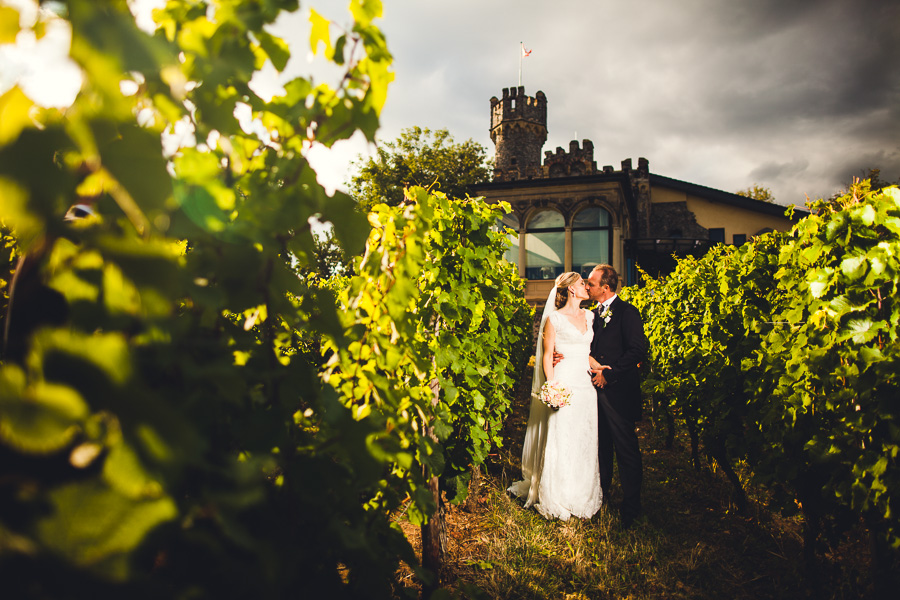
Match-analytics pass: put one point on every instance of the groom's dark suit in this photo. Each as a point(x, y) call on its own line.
point(622, 345)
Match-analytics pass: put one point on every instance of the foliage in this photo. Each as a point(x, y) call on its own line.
point(782, 353)
point(433, 306)
point(8, 257)
point(835, 384)
point(169, 441)
point(329, 259)
point(308, 341)
point(876, 182)
point(175, 437)
point(757, 192)
point(419, 157)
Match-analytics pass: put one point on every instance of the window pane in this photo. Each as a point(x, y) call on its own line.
point(589, 249)
point(512, 253)
point(546, 219)
point(591, 217)
point(545, 254)
point(511, 222)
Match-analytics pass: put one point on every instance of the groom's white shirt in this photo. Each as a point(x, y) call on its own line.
point(606, 304)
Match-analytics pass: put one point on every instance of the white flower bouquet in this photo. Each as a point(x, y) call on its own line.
point(555, 395)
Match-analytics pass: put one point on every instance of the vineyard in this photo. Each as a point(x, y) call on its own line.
point(781, 356)
point(188, 410)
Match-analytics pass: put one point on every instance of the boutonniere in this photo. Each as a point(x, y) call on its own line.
point(606, 315)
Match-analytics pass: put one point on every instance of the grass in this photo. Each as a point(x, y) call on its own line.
point(691, 543)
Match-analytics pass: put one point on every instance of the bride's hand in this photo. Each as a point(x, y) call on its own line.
point(597, 377)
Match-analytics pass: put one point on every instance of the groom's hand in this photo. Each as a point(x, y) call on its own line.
point(557, 357)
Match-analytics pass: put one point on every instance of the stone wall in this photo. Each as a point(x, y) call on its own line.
point(577, 161)
point(518, 130)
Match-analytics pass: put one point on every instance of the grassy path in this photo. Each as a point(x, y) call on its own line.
point(691, 544)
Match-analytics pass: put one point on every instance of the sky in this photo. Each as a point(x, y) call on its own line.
point(797, 96)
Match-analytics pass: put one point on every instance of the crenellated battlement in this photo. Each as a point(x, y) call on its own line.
point(517, 106)
point(519, 130)
point(579, 160)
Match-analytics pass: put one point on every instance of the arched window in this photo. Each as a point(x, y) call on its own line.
point(591, 240)
point(511, 222)
point(545, 245)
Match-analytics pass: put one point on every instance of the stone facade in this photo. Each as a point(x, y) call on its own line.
point(650, 217)
point(577, 161)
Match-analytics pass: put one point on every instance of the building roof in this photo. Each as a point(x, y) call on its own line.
point(711, 194)
point(552, 181)
point(720, 197)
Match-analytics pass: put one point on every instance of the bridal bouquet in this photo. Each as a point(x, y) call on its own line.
point(555, 395)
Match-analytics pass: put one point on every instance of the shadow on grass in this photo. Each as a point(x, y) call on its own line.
point(691, 543)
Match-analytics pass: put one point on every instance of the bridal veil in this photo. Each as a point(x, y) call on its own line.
point(538, 416)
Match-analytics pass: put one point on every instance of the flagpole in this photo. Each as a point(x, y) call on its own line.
point(522, 54)
point(521, 45)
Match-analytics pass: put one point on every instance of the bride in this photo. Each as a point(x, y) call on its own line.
point(560, 467)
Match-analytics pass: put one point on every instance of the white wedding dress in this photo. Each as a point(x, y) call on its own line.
point(560, 467)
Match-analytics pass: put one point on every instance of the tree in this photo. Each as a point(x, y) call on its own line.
point(876, 182)
point(757, 192)
point(418, 157)
point(328, 258)
point(870, 177)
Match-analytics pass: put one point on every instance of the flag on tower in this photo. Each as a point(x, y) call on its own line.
point(521, 56)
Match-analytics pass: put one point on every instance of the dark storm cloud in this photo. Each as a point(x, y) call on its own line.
point(773, 170)
point(824, 59)
point(796, 96)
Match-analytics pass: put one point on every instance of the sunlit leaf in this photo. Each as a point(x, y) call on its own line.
point(365, 11)
point(107, 352)
point(14, 109)
point(859, 330)
point(41, 418)
point(319, 34)
point(123, 470)
point(854, 267)
point(9, 28)
point(276, 48)
point(94, 526)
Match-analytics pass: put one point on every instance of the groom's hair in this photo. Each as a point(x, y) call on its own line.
point(608, 276)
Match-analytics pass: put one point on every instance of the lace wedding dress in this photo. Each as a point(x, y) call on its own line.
point(560, 466)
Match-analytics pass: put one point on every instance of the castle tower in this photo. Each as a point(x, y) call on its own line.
point(518, 130)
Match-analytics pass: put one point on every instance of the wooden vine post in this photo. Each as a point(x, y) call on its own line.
point(433, 530)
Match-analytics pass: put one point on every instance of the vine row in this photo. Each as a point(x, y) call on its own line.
point(782, 354)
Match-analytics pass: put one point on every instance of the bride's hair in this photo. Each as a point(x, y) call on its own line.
point(562, 287)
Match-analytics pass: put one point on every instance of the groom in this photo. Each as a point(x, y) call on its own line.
point(619, 345)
